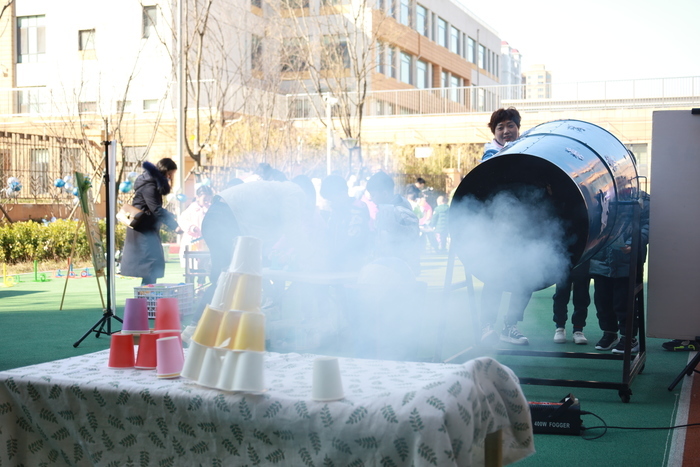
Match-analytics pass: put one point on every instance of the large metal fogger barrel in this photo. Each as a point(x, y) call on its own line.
point(584, 168)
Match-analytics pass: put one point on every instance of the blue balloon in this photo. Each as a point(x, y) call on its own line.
point(59, 182)
point(181, 198)
point(125, 186)
point(75, 191)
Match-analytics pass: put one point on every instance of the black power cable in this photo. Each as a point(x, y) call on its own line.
point(605, 427)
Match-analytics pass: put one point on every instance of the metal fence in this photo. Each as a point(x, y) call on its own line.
point(36, 161)
point(638, 93)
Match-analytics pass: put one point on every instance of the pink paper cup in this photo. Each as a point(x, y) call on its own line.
point(147, 358)
point(167, 315)
point(170, 357)
point(135, 316)
point(121, 351)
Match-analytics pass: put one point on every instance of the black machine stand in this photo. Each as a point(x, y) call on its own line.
point(630, 366)
point(108, 313)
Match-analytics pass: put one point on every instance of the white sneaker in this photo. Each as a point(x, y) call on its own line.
point(560, 336)
point(579, 338)
point(512, 335)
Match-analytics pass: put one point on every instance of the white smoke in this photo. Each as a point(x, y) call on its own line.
point(514, 239)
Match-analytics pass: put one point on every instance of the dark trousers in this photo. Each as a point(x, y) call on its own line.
point(610, 297)
point(581, 299)
point(491, 302)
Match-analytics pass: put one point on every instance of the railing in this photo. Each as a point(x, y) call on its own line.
point(639, 93)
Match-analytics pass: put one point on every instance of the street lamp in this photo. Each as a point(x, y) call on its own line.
point(330, 102)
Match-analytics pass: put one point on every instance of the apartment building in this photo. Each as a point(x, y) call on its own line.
point(538, 83)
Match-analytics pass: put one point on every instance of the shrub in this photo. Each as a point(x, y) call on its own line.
point(28, 241)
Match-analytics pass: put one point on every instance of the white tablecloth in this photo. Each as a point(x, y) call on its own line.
point(79, 412)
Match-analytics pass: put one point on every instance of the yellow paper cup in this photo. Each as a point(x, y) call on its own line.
point(208, 326)
point(248, 293)
point(251, 332)
point(228, 329)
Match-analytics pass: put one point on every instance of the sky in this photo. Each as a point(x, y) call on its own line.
point(599, 40)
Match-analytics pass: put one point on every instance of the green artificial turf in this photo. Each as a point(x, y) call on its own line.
point(429, 325)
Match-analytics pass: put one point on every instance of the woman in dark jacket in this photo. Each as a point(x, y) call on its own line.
point(143, 253)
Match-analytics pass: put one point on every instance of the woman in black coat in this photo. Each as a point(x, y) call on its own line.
point(143, 252)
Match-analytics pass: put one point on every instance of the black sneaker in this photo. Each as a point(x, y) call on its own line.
point(512, 335)
point(677, 345)
point(608, 341)
point(620, 347)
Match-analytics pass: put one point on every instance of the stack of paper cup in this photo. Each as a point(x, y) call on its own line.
point(228, 344)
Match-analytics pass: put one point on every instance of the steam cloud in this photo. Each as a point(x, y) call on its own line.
point(513, 239)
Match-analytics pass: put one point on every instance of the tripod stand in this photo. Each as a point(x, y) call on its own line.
point(108, 313)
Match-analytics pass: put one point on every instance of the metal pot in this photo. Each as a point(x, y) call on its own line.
point(586, 171)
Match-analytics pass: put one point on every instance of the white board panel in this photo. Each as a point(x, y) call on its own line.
point(674, 226)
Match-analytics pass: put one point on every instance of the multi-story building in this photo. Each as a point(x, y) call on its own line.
point(511, 72)
point(538, 83)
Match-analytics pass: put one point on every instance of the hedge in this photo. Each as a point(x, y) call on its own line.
point(28, 241)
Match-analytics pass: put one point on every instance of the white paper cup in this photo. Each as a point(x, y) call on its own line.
point(211, 367)
point(228, 370)
point(225, 291)
point(247, 256)
point(327, 384)
point(249, 372)
point(193, 361)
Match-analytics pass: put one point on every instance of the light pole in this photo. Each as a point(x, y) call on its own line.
point(330, 102)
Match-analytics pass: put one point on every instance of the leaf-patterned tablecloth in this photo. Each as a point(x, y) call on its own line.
point(79, 412)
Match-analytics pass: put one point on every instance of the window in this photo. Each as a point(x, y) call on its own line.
point(406, 68)
point(380, 5)
point(482, 56)
point(134, 154)
point(86, 39)
point(335, 53)
point(40, 171)
point(422, 20)
point(32, 100)
point(381, 68)
point(31, 39)
point(392, 8)
point(392, 62)
point(256, 51)
point(421, 74)
point(69, 160)
point(294, 54)
point(87, 107)
point(454, 40)
point(150, 105)
point(405, 13)
point(296, 4)
point(124, 106)
point(454, 88)
point(442, 32)
point(150, 20)
point(256, 3)
point(301, 108)
point(470, 49)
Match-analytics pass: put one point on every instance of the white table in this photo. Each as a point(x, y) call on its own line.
point(77, 411)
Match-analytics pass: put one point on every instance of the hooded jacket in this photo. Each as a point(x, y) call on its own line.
point(143, 253)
